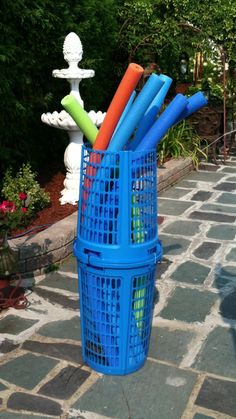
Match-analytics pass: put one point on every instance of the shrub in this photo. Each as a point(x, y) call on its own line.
point(181, 140)
point(25, 181)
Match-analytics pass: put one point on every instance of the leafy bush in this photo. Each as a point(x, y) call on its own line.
point(32, 36)
point(181, 141)
point(24, 181)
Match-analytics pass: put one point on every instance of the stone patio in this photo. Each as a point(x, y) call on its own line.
point(190, 372)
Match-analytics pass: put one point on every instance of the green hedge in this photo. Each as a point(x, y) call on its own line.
point(32, 36)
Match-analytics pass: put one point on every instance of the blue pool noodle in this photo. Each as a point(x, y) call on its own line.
point(151, 113)
point(139, 107)
point(125, 111)
point(195, 102)
point(163, 123)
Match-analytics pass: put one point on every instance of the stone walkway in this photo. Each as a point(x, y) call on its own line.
point(191, 366)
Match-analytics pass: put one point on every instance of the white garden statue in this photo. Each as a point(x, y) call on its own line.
point(72, 51)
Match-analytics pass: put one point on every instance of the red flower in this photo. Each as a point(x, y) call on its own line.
point(7, 206)
point(22, 196)
point(24, 209)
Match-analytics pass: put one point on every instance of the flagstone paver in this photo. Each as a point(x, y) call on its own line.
point(8, 346)
point(191, 272)
point(62, 329)
point(188, 305)
point(161, 382)
point(59, 350)
point(225, 186)
point(204, 176)
point(173, 207)
point(218, 353)
point(228, 307)
point(231, 179)
point(32, 403)
point(190, 370)
point(201, 196)
point(218, 395)
point(65, 383)
point(27, 370)
point(173, 245)
point(188, 184)
point(226, 275)
point(225, 209)
point(57, 298)
point(15, 325)
point(183, 228)
point(169, 345)
point(60, 281)
point(222, 232)
point(227, 198)
point(228, 170)
point(206, 250)
point(206, 216)
point(175, 193)
point(231, 256)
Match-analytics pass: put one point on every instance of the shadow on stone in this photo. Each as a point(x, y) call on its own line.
point(226, 284)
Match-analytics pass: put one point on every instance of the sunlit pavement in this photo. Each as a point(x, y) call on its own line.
point(191, 367)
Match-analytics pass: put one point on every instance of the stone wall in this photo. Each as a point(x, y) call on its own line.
point(173, 171)
point(38, 252)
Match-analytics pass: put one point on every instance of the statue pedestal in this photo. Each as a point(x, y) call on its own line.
point(72, 157)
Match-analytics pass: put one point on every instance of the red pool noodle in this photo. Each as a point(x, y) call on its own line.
point(117, 105)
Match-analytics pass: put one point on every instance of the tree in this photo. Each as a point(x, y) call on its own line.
point(169, 26)
point(32, 35)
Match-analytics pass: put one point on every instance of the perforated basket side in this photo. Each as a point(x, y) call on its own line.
point(143, 192)
point(140, 316)
point(116, 313)
point(118, 204)
point(99, 196)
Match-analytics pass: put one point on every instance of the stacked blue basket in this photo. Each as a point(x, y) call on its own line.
point(117, 249)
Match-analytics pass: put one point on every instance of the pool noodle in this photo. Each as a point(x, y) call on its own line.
point(195, 102)
point(117, 105)
point(80, 116)
point(151, 113)
point(129, 123)
point(139, 107)
point(126, 110)
point(163, 123)
point(114, 112)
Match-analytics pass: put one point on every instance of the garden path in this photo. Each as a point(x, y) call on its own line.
point(191, 367)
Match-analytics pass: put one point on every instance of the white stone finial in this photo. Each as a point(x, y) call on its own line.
point(73, 52)
point(72, 49)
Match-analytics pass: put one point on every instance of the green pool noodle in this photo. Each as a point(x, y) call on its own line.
point(80, 116)
point(139, 295)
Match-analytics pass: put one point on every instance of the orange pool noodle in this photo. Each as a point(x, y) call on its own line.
point(117, 105)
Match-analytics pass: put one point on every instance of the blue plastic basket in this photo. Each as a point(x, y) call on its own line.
point(116, 307)
point(117, 214)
